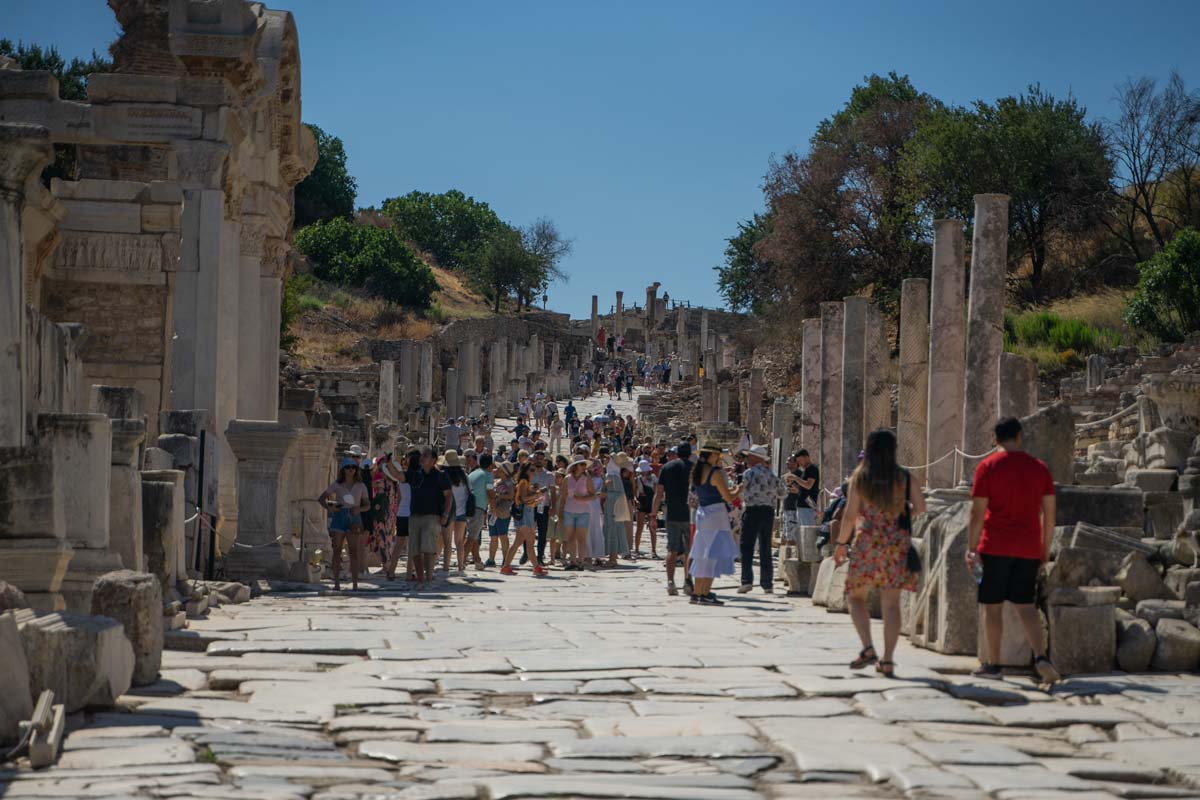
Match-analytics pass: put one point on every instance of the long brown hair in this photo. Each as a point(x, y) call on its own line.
point(877, 479)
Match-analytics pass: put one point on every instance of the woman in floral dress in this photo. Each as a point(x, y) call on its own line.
point(881, 503)
point(385, 502)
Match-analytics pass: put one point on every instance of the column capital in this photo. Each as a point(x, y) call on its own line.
point(24, 149)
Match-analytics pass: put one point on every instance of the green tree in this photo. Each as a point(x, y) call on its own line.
point(1034, 147)
point(744, 280)
point(370, 258)
point(547, 248)
point(451, 227)
point(843, 218)
point(72, 85)
point(329, 190)
point(504, 266)
point(1167, 301)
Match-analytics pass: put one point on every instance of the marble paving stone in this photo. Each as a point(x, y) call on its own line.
point(716, 746)
point(675, 725)
point(929, 778)
point(500, 732)
point(1054, 715)
point(945, 709)
point(984, 754)
point(1103, 769)
point(499, 755)
point(375, 722)
point(156, 751)
point(746, 709)
point(607, 786)
point(226, 709)
point(1024, 778)
point(607, 686)
point(574, 709)
point(325, 645)
point(322, 774)
point(593, 765)
point(553, 661)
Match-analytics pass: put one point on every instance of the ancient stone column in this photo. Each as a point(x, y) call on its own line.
point(723, 403)
point(387, 392)
point(555, 356)
point(125, 492)
point(985, 327)
point(1095, 371)
point(947, 358)
point(425, 373)
point(532, 351)
point(253, 401)
point(619, 315)
point(82, 446)
point(854, 335)
point(651, 305)
point(263, 548)
point(163, 513)
point(1018, 386)
point(454, 403)
point(710, 363)
point(708, 399)
point(270, 298)
point(753, 411)
point(877, 407)
point(704, 329)
point(913, 398)
point(728, 353)
point(498, 377)
point(782, 431)
point(681, 330)
point(408, 378)
point(24, 150)
point(810, 387)
point(832, 318)
point(595, 318)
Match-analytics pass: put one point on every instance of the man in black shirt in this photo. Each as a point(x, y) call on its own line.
point(674, 481)
point(432, 504)
point(803, 480)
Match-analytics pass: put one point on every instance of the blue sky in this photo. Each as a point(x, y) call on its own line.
point(644, 128)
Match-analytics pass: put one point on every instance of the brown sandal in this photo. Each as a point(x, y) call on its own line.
point(886, 668)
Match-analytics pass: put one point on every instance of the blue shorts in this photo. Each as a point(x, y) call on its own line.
point(526, 520)
point(576, 519)
point(343, 520)
point(500, 527)
point(461, 518)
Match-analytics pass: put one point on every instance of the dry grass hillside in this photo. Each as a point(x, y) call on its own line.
point(331, 320)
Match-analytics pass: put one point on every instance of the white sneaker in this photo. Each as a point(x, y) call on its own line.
point(745, 588)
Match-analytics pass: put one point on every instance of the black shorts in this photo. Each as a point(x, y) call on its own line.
point(402, 527)
point(679, 537)
point(1008, 578)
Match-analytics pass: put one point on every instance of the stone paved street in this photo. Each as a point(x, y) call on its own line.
point(600, 685)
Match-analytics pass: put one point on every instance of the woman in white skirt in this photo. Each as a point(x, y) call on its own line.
point(713, 549)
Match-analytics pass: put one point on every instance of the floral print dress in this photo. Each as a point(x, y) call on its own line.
point(879, 553)
point(386, 504)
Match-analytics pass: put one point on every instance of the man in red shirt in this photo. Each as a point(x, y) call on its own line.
point(1012, 523)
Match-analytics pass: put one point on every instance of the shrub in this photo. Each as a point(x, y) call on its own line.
point(1167, 301)
point(367, 257)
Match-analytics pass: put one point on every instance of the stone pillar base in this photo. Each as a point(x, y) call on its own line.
point(84, 568)
point(245, 564)
point(36, 567)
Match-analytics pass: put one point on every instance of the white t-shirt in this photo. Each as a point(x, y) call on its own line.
point(404, 508)
point(460, 497)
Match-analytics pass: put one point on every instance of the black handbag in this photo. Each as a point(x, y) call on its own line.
point(904, 523)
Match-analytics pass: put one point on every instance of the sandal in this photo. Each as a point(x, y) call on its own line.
point(866, 658)
point(886, 668)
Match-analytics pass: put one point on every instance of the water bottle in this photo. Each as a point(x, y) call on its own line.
point(977, 571)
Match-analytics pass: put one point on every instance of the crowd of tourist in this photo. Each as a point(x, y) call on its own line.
point(591, 493)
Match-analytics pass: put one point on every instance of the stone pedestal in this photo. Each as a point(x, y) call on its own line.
point(1095, 371)
point(985, 328)
point(85, 660)
point(181, 434)
point(34, 552)
point(832, 317)
point(854, 335)
point(311, 469)
point(708, 399)
point(263, 548)
point(911, 430)
point(1083, 631)
point(135, 600)
point(723, 402)
point(82, 447)
point(425, 373)
point(947, 359)
point(1014, 649)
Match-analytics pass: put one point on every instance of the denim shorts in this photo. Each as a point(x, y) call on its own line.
point(526, 520)
point(343, 520)
point(576, 519)
point(461, 518)
point(500, 527)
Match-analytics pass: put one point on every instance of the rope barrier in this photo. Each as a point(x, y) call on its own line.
point(1096, 423)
